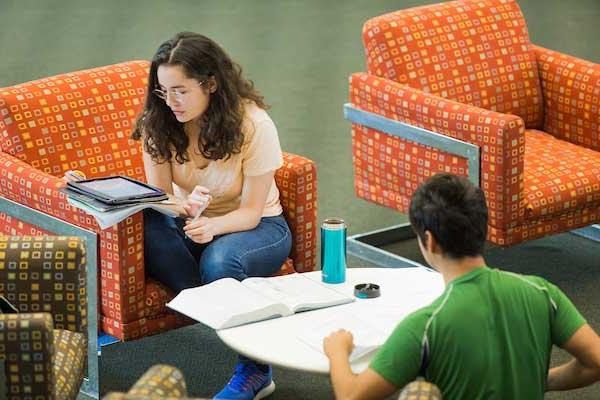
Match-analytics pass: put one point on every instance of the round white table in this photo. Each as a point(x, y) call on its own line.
point(278, 341)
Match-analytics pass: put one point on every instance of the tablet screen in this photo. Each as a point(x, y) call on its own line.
point(116, 187)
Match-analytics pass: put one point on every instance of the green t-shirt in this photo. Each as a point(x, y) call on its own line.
point(488, 336)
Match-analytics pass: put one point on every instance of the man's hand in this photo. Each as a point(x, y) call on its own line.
point(338, 342)
point(346, 385)
point(201, 230)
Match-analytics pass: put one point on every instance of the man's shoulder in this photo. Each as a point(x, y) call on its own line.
point(419, 318)
point(521, 280)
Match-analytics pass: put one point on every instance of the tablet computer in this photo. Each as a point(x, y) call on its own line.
point(117, 190)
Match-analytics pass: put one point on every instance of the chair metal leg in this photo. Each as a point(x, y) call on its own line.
point(90, 386)
point(591, 232)
point(366, 246)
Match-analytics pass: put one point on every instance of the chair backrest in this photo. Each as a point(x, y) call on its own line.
point(476, 52)
point(80, 120)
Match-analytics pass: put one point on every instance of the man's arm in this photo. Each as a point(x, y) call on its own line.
point(347, 385)
point(584, 369)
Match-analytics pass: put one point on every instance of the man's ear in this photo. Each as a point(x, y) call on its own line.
point(431, 244)
point(212, 84)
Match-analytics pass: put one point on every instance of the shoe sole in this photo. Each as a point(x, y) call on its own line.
point(265, 391)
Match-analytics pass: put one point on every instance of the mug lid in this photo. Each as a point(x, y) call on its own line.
point(334, 223)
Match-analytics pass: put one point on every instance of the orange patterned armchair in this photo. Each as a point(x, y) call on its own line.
point(458, 87)
point(83, 120)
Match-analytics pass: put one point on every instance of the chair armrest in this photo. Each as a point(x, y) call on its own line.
point(27, 349)
point(297, 184)
point(31, 187)
point(571, 87)
point(46, 274)
point(500, 137)
point(120, 247)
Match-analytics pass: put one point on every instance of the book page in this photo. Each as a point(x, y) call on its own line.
point(385, 317)
point(366, 337)
point(225, 303)
point(297, 292)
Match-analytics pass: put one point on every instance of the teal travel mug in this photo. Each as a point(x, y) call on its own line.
point(333, 250)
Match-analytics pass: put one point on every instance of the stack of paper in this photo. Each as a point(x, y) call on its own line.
point(117, 214)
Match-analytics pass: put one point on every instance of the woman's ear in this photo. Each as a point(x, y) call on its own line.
point(212, 84)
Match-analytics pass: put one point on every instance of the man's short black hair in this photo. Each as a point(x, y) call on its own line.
point(454, 211)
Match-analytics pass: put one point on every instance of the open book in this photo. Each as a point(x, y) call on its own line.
point(227, 302)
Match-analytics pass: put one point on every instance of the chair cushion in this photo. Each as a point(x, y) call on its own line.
point(420, 390)
point(69, 360)
point(559, 176)
point(473, 52)
point(126, 396)
point(160, 381)
point(157, 295)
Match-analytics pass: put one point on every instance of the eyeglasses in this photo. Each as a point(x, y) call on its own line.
point(176, 94)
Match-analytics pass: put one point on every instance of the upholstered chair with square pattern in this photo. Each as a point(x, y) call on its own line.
point(458, 87)
point(83, 120)
point(159, 382)
point(420, 390)
point(164, 382)
point(43, 347)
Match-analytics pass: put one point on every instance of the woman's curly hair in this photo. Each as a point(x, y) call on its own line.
point(221, 133)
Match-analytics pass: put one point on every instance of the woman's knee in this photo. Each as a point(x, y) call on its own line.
point(220, 262)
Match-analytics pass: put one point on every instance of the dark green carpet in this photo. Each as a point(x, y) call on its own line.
point(299, 53)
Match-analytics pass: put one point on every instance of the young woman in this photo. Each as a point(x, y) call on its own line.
point(208, 141)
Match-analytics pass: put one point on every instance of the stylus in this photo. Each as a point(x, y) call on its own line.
point(202, 207)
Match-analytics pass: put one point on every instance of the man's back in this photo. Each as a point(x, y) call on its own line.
point(489, 336)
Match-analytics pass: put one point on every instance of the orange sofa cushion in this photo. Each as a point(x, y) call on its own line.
point(559, 176)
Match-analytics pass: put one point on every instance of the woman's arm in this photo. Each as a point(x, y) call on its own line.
point(160, 176)
point(254, 196)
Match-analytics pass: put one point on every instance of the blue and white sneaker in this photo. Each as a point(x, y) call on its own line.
point(248, 382)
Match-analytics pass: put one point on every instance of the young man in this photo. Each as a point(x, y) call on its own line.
point(489, 335)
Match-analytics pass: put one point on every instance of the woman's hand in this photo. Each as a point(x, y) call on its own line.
point(201, 230)
point(338, 342)
point(197, 201)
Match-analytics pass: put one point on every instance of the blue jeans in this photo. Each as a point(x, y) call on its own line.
point(179, 263)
